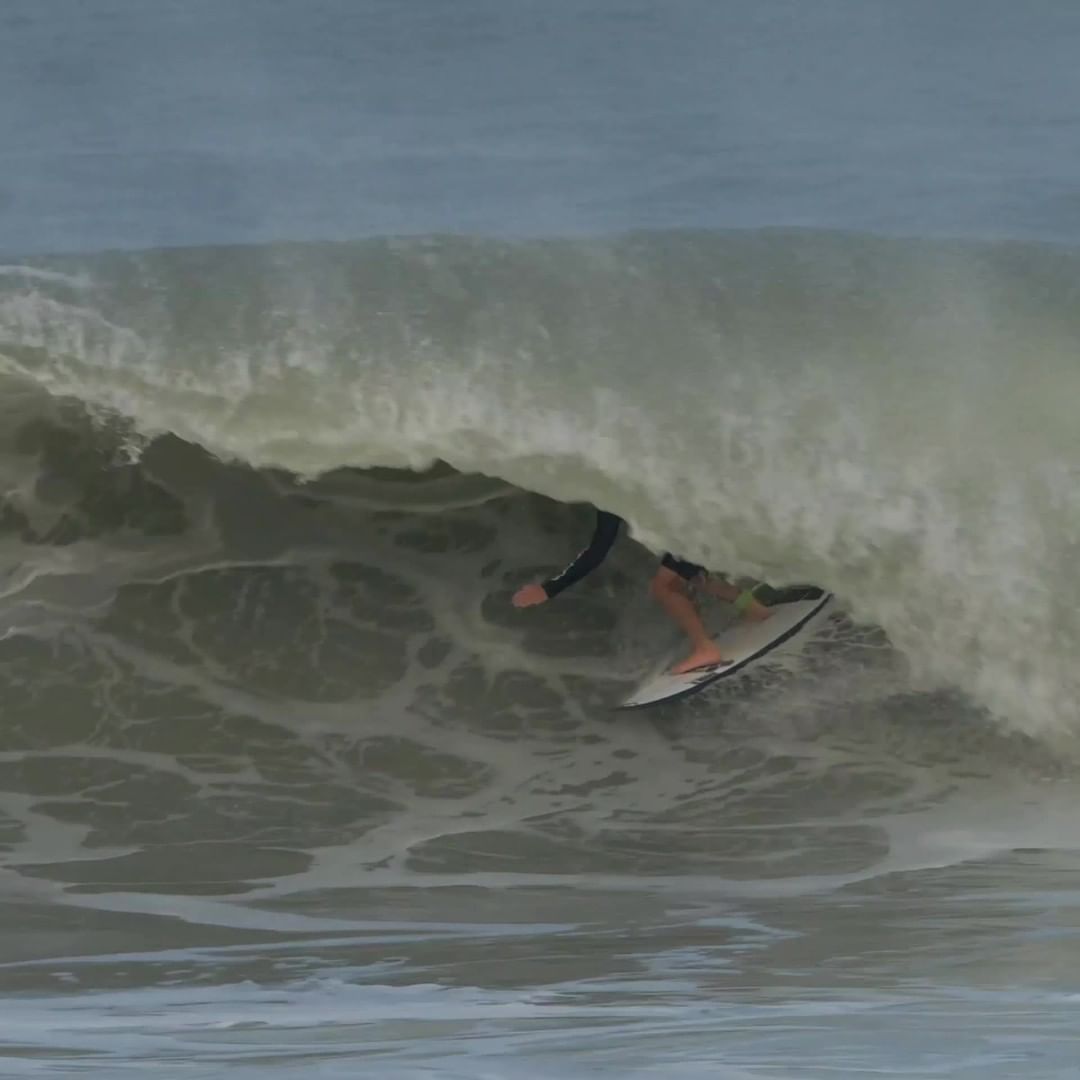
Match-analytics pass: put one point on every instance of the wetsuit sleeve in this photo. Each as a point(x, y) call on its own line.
point(604, 535)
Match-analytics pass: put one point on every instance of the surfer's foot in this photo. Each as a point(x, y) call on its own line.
point(704, 656)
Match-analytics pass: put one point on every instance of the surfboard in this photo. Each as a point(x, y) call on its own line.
point(792, 610)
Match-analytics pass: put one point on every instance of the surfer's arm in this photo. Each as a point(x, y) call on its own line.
point(604, 535)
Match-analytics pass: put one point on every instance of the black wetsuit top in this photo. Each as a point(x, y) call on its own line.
point(604, 535)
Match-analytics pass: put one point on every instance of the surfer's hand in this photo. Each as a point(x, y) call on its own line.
point(529, 595)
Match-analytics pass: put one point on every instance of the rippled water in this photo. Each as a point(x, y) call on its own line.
point(287, 786)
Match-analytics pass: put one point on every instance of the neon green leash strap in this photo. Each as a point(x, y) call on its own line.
point(743, 601)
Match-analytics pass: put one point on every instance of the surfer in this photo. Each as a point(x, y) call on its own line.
point(670, 587)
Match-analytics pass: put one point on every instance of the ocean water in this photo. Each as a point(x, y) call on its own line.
point(322, 324)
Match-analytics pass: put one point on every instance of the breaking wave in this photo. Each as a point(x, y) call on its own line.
point(892, 419)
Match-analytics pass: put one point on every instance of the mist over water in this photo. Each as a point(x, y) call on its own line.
point(363, 307)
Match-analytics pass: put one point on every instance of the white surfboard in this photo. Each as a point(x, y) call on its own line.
point(742, 644)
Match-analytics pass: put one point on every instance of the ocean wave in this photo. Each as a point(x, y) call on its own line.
point(891, 419)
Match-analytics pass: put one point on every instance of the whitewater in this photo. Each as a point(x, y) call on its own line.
point(323, 328)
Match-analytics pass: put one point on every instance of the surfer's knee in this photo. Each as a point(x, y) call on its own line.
point(665, 582)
